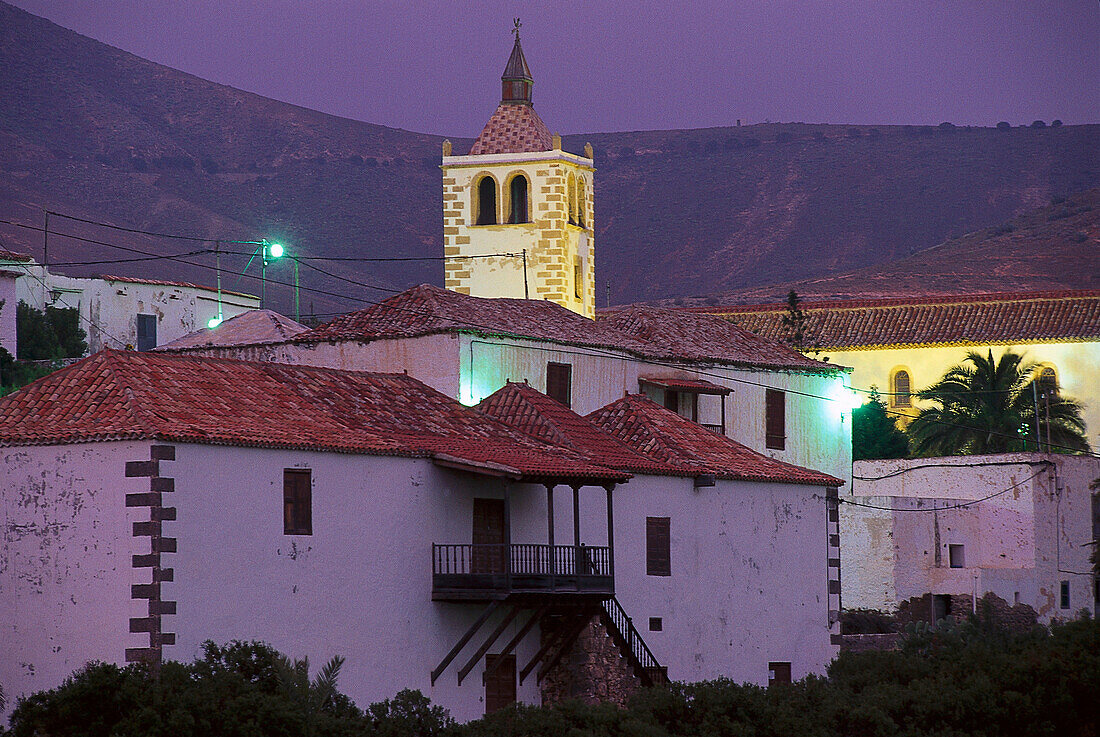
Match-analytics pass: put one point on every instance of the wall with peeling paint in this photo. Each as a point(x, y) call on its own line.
point(109, 308)
point(65, 570)
point(8, 301)
point(1019, 544)
point(749, 581)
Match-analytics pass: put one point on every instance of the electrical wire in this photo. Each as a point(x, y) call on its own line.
point(961, 505)
point(590, 351)
point(945, 465)
point(61, 298)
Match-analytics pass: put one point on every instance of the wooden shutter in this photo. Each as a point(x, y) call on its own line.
point(779, 673)
point(658, 559)
point(559, 381)
point(775, 419)
point(297, 502)
point(672, 400)
point(500, 686)
point(146, 332)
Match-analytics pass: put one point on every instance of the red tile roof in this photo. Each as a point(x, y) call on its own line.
point(692, 386)
point(532, 412)
point(982, 319)
point(669, 438)
point(513, 128)
point(253, 327)
point(704, 338)
point(641, 331)
point(119, 395)
point(13, 256)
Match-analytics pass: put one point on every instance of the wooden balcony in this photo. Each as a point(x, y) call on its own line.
point(467, 572)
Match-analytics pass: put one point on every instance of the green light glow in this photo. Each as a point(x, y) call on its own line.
point(214, 322)
point(275, 250)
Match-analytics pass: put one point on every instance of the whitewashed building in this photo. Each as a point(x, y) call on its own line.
point(121, 311)
point(10, 269)
point(155, 501)
point(1018, 525)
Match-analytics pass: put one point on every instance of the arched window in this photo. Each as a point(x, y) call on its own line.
point(902, 389)
point(1048, 381)
point(486, 201)
point(581, 200)
point(571, 195)
point(519, 206)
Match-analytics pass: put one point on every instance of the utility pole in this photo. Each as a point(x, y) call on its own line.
point(525, 293)
point(1035, 399)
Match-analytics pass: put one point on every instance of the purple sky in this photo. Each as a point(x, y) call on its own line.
point(613, 66)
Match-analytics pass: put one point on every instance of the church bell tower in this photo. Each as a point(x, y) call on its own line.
point(519, 206)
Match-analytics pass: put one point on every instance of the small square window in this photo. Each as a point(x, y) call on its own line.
point(956, 556)
point(779, 673)
point(1064, 595)
point(656, 624)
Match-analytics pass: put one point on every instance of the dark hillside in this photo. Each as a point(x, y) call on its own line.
point(90, 130)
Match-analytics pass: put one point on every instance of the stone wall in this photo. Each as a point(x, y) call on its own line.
point(594, 670)
point(1017, 618)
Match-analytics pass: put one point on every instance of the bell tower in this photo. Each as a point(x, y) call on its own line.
point(517, 209)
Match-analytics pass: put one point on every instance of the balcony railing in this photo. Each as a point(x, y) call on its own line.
point(467, 571)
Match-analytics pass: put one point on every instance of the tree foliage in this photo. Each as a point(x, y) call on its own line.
point(875, 434)
point(46, 335)
point(970, 678)
point(988, 406)
point(794, 324)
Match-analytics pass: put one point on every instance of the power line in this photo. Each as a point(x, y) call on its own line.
point(907, 469)
point(961, 505)
point(490, 329)
point(61, 299)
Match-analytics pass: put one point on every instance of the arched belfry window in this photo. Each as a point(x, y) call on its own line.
point(520, 207)
point(581, 201)
point(1048, 381)
point(486, 202)
point(571, 195)
point(902, 389)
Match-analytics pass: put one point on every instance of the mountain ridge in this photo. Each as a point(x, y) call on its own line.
point(100, 133)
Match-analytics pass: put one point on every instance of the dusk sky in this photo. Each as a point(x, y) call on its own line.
point(614, 66)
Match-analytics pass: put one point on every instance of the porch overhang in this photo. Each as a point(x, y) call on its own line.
point(688, 386)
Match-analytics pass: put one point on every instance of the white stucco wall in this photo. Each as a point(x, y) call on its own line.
point(8, 302)
point(749, 583)
point(65, 569)
point(1076, 364)
point(109, 309)
point(1019, 544)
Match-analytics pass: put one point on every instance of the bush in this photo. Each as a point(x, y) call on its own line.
point(1056, 123)
point(1038, 124)
point(50, 334)
point(1004, 125)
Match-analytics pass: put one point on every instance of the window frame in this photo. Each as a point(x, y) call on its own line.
point(296, 498)
point(564, 378)
point(775, 419)
point(145, 318)
point(899, 398)
point(658, 546)
point(1063, 594)
point(954, 561)
point(525, 216)
point(478, 204)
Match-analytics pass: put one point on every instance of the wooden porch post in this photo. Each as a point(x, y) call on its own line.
point(576, 530)
point(508, 535)
point(610, 533)
point(550, 532)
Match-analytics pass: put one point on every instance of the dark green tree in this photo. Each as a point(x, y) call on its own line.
point(988, 406)
point(875, 434)
point(50, 334)
point(794, 323)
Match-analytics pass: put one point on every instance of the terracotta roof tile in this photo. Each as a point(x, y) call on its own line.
point(114, 395)
point(253, 327)
point(669, 438)
point(982, 319)
point(513, 128)
point(648, 332)
point(162, 283)
point(13, 256)
point(532, 412)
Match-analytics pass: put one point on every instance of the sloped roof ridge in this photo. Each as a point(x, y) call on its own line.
point(930, 300)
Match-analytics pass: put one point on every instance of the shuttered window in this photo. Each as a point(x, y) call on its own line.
point(902, 389)
point(146, 332)
point(297, 502)
point(658, 560)
point(779, 673)
point(559, 382)
point(775, 419)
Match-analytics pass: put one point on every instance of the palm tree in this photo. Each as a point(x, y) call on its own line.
point(311, 696)
point(988, 406)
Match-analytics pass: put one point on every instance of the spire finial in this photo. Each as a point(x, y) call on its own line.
point(516, 80)
point(515, 31)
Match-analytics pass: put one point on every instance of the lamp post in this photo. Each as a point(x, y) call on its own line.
point(274, 251)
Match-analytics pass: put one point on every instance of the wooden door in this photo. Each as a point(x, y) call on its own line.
point(488, 530)
point(500, 686)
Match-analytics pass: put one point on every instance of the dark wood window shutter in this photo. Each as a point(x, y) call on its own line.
point(672, 400)
point(658, 558)
point(297, 501)
point(500, 686)
point(779, 673)
point(559, 382)
point(775, 419)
